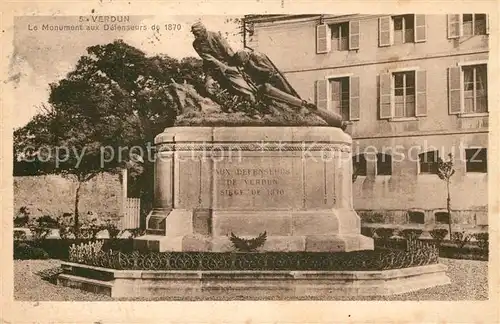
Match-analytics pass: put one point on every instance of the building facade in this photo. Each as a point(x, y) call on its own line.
point(413, 88)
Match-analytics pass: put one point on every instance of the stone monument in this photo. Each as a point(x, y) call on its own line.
point(278, 166)
point(251, 167)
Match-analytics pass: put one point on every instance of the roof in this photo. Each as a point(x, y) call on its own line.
point(268, 18)
point(272, 18)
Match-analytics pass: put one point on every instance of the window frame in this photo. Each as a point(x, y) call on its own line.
point(353, 37)
point(467, 160)
point(461, 25)
point(419, 167)
point(419, 31)
point(463, 113)
point(377, 166)
point(338, 26)
point(403, 29)
point(405, 95)
point(440, 211)
point(413, 69)
point(365, 162)
point(415, 211)
point(331, 78)
point(473, 24)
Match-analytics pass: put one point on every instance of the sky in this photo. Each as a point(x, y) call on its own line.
point(41, 57)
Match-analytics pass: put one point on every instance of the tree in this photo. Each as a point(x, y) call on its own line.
point(120, 84)
point(56, 143)
point(445, 171)
point(114, 100)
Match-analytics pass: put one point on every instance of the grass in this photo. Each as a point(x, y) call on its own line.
point(469, 281)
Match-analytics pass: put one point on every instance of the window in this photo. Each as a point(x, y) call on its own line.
point(394, 30)
point(403, 29)
point(468, 89)
point(467, 25)
point(359, 165)
point(428, 162)
point(475, 88)
point(384, 164)
point(340, 37)
point(403, 94)
point(474, 24)
point(416, 217)
point(441, 217)
point(476, 160)
point(340, 96)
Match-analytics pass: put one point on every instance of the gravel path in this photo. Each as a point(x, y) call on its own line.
point(469, 281)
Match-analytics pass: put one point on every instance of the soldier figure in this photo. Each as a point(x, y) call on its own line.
point(248, 74)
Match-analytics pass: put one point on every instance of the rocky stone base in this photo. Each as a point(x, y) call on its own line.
point(250, 284)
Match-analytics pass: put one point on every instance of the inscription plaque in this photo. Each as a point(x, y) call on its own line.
point(262, 183)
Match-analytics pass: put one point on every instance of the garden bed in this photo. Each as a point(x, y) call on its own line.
point(378, 259)
point(447, 249)
point(59, 248)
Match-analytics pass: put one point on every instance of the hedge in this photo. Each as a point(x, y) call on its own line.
point(59, 248)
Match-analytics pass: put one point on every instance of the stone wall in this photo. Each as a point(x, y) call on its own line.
point(54, 195)
point(425, 218)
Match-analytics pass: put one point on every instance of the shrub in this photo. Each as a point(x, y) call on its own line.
point(59, 249)
point(369, 217)
point(24, 251)
point(461, 238)
point(66, 232)
point(368, 231)
point(48, 222)
point(482, 240)
point(38, 232)
point(21, 221)
point(438, 234)
point(113, 231)
point(411, 234)
point(135, 232)
point(385, 233)
point(85, 251)
point(19, 235)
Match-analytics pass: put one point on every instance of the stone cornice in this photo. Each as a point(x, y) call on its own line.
point(217, 147)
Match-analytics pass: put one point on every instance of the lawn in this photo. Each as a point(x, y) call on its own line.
point(469, 281)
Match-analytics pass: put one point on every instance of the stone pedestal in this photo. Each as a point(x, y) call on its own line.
point(292, 182)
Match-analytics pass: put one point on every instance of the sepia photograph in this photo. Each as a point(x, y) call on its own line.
point(252, 157)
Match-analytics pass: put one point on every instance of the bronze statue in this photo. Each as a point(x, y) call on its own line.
point(262, 70)
point(249, 75)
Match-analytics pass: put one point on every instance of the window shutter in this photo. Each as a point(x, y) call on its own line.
point(323, 39)
point(384, 31)
point(487, 24)
point(354, 98)
point(354, 35)
point(455, 90)
point(321, 88)
point(454, 26)
point(421, 93)
point(420, 29)
point(385, 96)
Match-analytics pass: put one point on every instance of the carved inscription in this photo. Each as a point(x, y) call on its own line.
point(252, 181)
